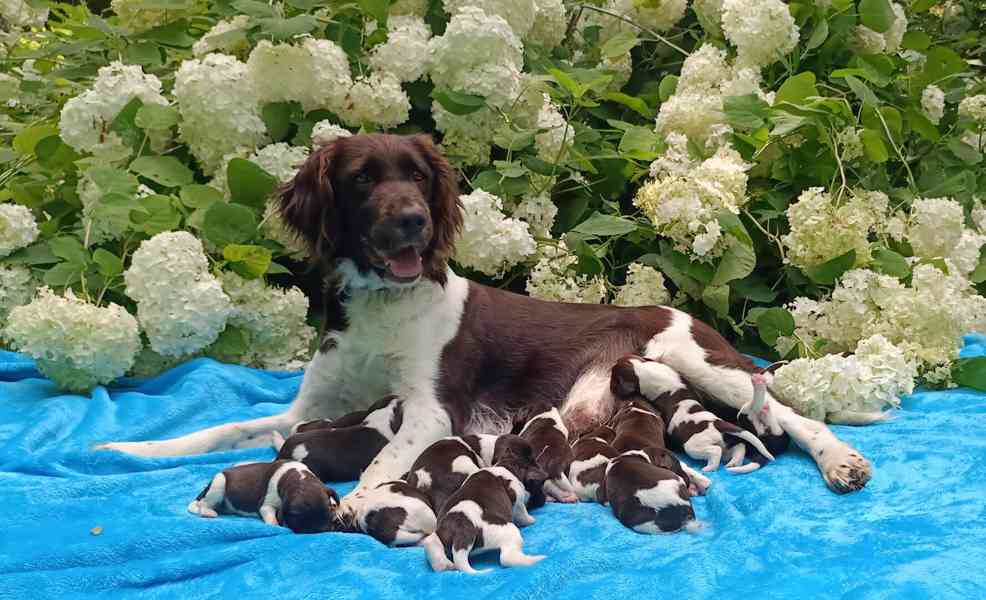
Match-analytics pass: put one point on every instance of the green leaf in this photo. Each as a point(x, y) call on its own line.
point(828, 272)
point(891, 263)
point(249, 262)
point(970, 372)
point(964, 152)
point(753, 288)
point(70, 250)
point(731, 224)
point(156, 117)
point(226, 224)
point(632, 102)
point(873, 146)
point(619, 44)
point(915, 40)
point(737, 262)
point(279, 28)
point(114, 209)
point(599, 224)
point(509, 138)
point(458, 103)
point(576, 89)
point(376, 9)
point(797, 88)
point(588, 263)
point(157, 214)
point(277, 269)
point(231, 345)
point(277, 117)
point(878, 15)
point(54, 154)
point(199, 196)
point(668, 86)
point(818, 35)
point(254, 8)
point(862, 91)
point(144, 53)
point(63, 275)
point(125, 123)
point(110, 265)
point(922, 125)
point(173, 34)
point(249, 184)
point(27, 138)
point(165, 170)
point(746, 112)
point(36, 254)
point(977, 276)
point(773, 323)
point(716, 297)
point(641, 143)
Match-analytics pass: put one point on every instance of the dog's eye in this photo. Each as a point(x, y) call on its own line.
point(418, 176)
point(362, 177)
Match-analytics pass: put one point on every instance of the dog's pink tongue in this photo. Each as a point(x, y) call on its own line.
point(406, 263)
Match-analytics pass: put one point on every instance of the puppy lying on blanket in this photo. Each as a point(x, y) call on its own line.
point(282, 492)
point(701, 434)
point(645, 497)
point(590, 457)
point(343, 453)
point(548, 435)
point(396, 514)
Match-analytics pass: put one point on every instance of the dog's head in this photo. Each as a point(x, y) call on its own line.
point(387, 203)
point(517, 455)
point(309, 509)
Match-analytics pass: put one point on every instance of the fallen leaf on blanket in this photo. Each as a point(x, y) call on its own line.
point(96, 530)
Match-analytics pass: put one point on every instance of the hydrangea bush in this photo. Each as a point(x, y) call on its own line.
point(808, 176)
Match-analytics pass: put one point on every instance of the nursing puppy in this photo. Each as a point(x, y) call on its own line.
point(282, 492)
point(342, 453)
point(444, 466)
point(548, 435)
point(395, 514)
point(645, 497)
point(700, 433)
point(590, 457)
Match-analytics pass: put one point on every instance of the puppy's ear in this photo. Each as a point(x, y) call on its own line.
point(307, 204)
point(446, 210)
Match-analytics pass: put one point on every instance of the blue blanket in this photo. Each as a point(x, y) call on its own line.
point(77, 523)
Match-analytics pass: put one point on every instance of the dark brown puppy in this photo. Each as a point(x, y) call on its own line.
point(590, 457)
point(637, 426)
point(548, 435)
point(341, 454)
point(645, 497)
point(282, 492)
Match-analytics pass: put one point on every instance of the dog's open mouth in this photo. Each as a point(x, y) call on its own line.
point(404, 266)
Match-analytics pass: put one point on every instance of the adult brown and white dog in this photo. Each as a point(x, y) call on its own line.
point(382, 212)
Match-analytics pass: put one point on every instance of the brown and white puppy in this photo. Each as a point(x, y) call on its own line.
point(645, 497)
point(282, 492)
point(444, 466)
point(482, 515)
point(547, 433)
point(341, 454)
point(347, 420)
point(590, 457)
point(396, 514)
point(700, 433)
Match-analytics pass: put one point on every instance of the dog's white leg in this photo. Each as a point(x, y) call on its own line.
point(435, 552)
point(716, 370)
point(736, 455)
point(714, 454)
point(316, 395)
point(511, 545)
point(269, 514)
point(460, 558)
point(212, 499)
point(520, 515)
point(700, 483)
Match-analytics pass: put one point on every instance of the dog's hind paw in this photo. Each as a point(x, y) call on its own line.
point(844, 469)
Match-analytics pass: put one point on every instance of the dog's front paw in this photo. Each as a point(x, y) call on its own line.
point(844, 469)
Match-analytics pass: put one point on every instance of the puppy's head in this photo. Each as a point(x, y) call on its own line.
point(309, 509)
point(516, 455)
point(623, 379)
point(387, 203)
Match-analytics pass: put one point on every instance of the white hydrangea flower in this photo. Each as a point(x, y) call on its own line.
point(709, 13)
point(279, 336)
point(704, 70)
point(314, 73)
point(491, 242)
point(18, 13)
point(219, 109)
point(539, 212)
point(657, 16)
point(466, 139)
point(933, 103)
point(549, 143)
point(519, 14)
point(405, 53)
point(180, 305)
point(86, 119)
point(550, 23)
point(979, 214)
point(620, 67)
point(895, 35)
point(280, 160)
point(965, 254)
point(378, 99)
point(644, 287)
point(17, 228)
point(935, 227)
point(763, 31)
point(326, 132)
point(974, 108)
point(865, 40)
point(553, 278)
point(684, 201)
point(868, 381)
point(697, 115)
point(823, 229)
point(17, 287)
point(218, 39)
point(76, 344)
point(850, 142)
point(478, 54)
point(744, 81)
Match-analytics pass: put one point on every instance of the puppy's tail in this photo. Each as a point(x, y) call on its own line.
point(435, 552)
point(751, 439)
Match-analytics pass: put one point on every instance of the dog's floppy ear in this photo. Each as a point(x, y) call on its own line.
point(307, 204)
point(446, 210)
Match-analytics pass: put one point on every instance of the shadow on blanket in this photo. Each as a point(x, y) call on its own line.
point(916, 531)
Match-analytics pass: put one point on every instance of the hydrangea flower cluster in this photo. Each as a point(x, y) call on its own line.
point(491, 242)
point(868, 41)
point(181, 307)
point(76, 344)
point(518, 14)
point(933, 103)
point(823, 228)
point(763, 31)
point(326, 132)
point(550, 23)
point(314, 73)
point(555, 132)
point(405, 53)
point(935, 226)
point(378, 99)
point(86, 118)
point(554, 278)
point(834, 386)
point(685, 199)
point(17, 228)
point(221, 39)
point(17, 287)
point(974, 108)
point(219, 109)
point(644, 287)
point(18, 13)
point(539, 212)
point(656, 16)
point(275, 320)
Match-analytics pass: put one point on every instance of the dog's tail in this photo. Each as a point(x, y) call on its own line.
point(747, 437)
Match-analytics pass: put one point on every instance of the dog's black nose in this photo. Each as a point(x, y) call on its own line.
point(410, 221)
